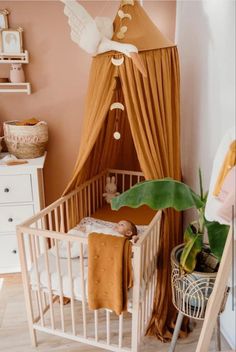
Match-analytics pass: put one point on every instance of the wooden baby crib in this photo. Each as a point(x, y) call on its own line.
point(44, 298)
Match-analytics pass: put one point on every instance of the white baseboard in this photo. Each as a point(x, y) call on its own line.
point(228, 338)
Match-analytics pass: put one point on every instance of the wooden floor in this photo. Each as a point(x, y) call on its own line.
point(14, 335)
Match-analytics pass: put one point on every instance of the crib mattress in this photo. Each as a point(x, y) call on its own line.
point(66, 284)
point(55, 281)
point(94, 225)
point(139, 216)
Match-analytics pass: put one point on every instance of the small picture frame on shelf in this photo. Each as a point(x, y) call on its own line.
point(4, 19)
point(11, 41)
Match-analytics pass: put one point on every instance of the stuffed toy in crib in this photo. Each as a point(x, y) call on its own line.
point(110, 189)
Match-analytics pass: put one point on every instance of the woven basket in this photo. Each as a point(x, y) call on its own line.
point(190, 292)
point(26, 142)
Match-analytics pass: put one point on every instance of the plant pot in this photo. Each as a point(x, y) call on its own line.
point(190, 292)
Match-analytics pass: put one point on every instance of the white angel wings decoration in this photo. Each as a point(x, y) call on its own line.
point(94, 35)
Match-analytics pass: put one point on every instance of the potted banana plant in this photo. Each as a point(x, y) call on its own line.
point(193, 254)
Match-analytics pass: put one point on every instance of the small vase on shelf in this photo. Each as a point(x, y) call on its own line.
point(17, 74)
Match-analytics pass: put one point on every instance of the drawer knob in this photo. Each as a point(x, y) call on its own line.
point(6, 190)
point(10, 220)
point(14, 251)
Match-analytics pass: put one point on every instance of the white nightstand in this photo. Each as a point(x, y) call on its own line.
point(21, 196)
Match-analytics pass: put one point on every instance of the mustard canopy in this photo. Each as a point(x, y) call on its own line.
point(149, 129)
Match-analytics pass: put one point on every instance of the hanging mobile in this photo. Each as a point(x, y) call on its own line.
point(116, 134)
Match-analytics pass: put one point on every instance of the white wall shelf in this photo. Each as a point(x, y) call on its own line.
point(15, 87)
point(19, 58)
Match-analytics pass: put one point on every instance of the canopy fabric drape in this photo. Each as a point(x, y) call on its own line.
point(153, 112)
point(150, 142)
point(99, 97)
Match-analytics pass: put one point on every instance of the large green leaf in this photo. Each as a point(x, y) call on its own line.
point(159, 194)
point(193, 246)
point(217, 235)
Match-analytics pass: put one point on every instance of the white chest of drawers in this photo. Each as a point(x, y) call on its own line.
point(21, 196)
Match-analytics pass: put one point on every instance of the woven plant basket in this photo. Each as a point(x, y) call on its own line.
point(190, 292)
point(26, 142)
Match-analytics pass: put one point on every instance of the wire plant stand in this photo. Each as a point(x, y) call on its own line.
point(190, 293)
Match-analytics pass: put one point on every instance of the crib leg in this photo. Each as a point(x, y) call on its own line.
point(26, 286)
point(30, 318)
point(33, 337)
point(176, 332)
point(218, 337)
point(135, 331)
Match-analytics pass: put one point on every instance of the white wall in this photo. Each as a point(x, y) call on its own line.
point(205, 35)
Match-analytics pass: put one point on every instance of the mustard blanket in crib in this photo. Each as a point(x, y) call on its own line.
point(109, 272)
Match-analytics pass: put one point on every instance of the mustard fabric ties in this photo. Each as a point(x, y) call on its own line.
point(229, 163)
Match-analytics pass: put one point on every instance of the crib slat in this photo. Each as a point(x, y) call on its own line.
point(30, 249)
point(77, 219)
point(104, 185)
point(143, 286)
point(50, 227)
point(120, 329)
point(152, 267)
point(49, 283)
point(108, 327)
point(83, 290)
point(149, 274)
point(37, 239)
point(41, 250)
point(146, 281)
point(60, 286)
point(81, 209)
point(93, 197)
point(85, 205)
point(96, 325)
point(75, 207)
point(56, 219)
point(123, 183)
point(100, 192)
point(141, 319)
point(67, 216)
point(50, 221)
point(69, 267)
point(35, 293)
point(148, 277)
point(97, 194)
point(62, 218)
point(89, 200)
point(38, 282)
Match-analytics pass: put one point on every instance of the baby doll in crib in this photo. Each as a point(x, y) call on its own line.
point(127, 229)
point(124, 227)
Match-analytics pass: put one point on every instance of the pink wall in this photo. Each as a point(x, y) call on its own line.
point(58, 71)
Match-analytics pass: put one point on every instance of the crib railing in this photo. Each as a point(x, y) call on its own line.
point(45, 302)
point(67, 211)
point(61, 215)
